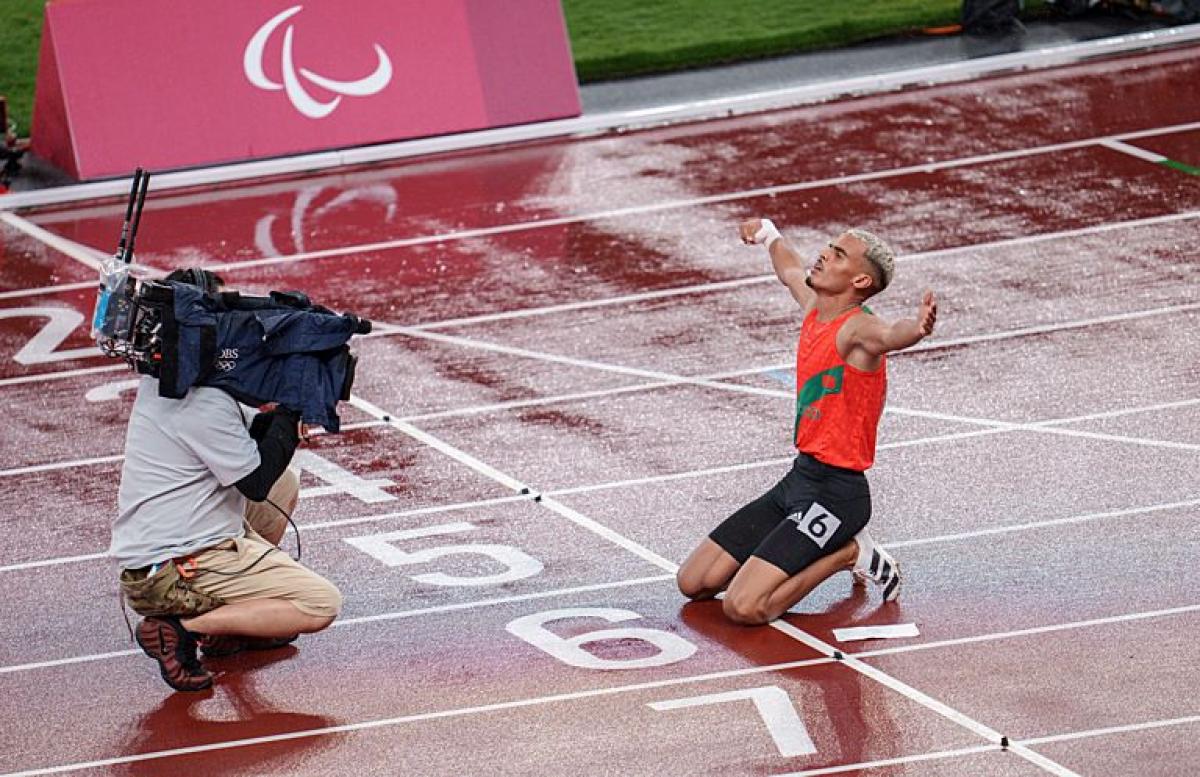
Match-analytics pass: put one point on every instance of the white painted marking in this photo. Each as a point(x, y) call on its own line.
point(594, 693)
point(699, 288)
point(774, 706)
point(1033, 631)
point(1074, 735)
point(107, 392)
point(518, 565)
point(579, 589)
point(387, 722)
point(889, 631)
point(511, 482)
point(934, 345)
point(63, 375)
point(74, 464)
point(1043, 427)
point(923, 699)
point(449, 450)
point(907, 759)
point(88, 257)
point(586, 363)
point(1111, 730)
point(1134, 151)
point(714, 199)
point(1047, 523)
point(579, 519)
point(340, 480)
point(41, 347)
point(671, 648)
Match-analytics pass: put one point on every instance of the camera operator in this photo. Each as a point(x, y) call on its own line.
point(201, 509)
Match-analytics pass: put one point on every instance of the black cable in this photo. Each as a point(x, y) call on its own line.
point(295, 528)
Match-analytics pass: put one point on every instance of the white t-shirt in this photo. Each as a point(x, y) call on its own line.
point(182, 458)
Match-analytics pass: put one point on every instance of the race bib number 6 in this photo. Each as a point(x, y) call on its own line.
point(817, 523)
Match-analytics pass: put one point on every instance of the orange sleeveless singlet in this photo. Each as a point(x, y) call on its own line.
point(837, 406)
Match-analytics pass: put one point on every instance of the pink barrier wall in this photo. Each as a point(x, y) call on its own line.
point(176, 83)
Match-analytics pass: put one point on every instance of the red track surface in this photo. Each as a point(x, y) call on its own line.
point(1036, 475)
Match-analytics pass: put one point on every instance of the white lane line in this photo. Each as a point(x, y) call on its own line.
point(449, 450)
point(922, 698)
point(1103, 732)
point(1043, 427)
point(1047, 523)
point(965, 751)
point(510, 482)
point(1134, 151)
point(385, 616)
point(898, 761)
point(88, 257)
point(585, 363)
point(44, 376)
point(702, 288)
point(52, 562)
point(72, 464)
point(690, 474)
point(625, 299)
point(1083, 323)
point(14, 668)
point(420, 717)
point(691, 202)
point(1034, 631)
point(609, 691)
point(747, 389)
point(390, 329)
point(431, 510)
point(35, 468)
point(37, 291)
point(931, 345)
point(391, 616)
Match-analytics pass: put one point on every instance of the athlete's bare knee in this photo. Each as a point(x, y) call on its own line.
point(692, 585)
point(745, 611)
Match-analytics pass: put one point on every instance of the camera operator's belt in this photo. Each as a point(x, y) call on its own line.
point(185, 565)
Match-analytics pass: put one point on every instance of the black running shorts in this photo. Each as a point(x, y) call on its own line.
point(815, 510)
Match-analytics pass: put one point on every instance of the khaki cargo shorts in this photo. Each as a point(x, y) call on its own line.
point(235, 570)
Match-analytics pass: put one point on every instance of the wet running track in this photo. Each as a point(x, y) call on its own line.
point(577, 319)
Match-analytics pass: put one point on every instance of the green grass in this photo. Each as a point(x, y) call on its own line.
point(615, 38)
point(20, 34)
point(610, 38)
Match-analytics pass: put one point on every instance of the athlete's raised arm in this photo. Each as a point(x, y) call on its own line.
point(785, 259)
point(879, 337)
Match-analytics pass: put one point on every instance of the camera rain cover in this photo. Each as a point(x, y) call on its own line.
point(280, 349)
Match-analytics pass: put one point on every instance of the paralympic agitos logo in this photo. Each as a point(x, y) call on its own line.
point(252, 64)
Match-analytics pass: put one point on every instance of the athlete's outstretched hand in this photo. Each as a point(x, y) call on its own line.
point(927, 313)
point(748, 229)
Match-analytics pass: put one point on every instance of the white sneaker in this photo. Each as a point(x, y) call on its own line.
point(877, 565)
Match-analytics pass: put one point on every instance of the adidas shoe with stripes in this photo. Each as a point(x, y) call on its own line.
point(877, 565)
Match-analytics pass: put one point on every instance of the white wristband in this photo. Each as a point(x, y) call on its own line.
point(767, 234)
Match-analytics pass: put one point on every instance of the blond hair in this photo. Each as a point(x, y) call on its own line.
point(879, 255)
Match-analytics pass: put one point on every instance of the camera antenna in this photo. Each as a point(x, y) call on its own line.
point(137, 177)
point(141, 182)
